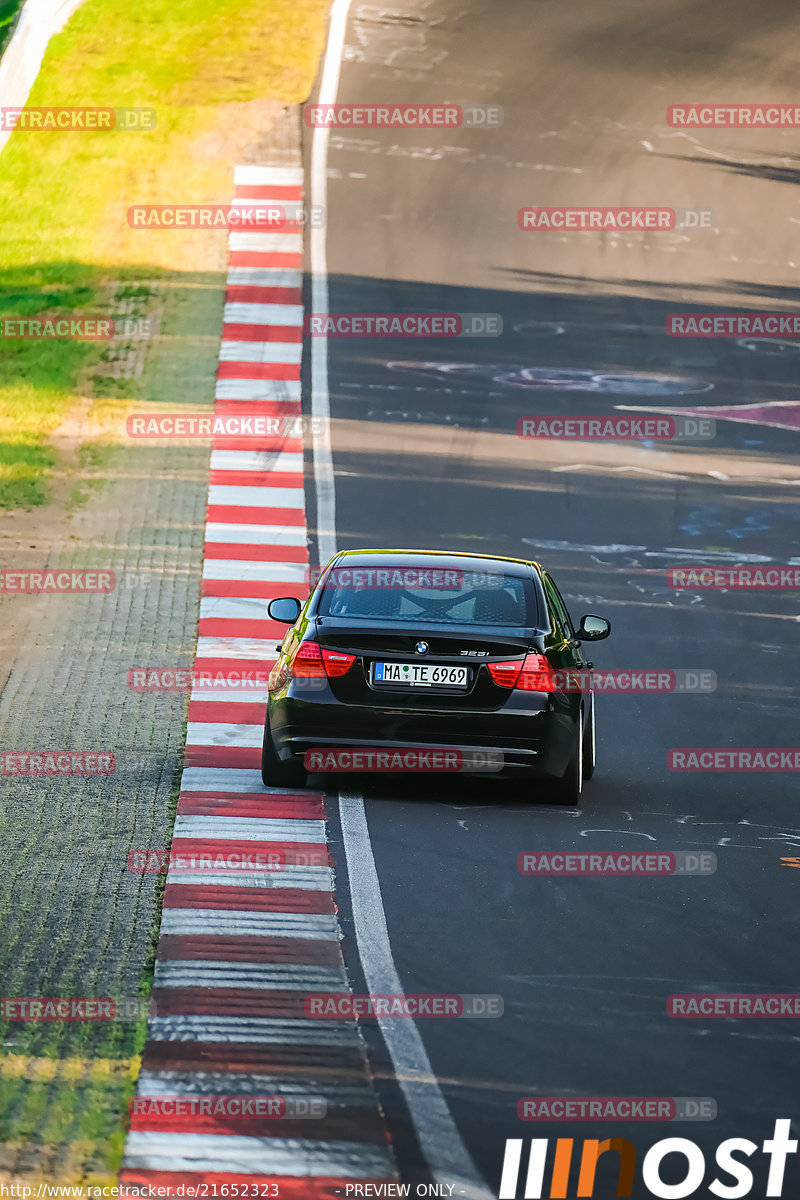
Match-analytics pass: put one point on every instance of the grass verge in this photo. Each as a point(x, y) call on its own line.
point(213, 71)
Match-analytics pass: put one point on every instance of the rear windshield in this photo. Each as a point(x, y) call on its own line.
point(439, 595)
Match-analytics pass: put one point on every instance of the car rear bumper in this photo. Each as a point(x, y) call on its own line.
point(537, 738)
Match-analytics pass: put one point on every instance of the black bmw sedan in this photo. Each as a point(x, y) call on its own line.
point(425, 660)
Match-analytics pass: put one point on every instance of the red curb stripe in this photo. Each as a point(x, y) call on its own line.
point(262, 408)
point(255, 553)
point(265, 1003)
point(250, 948)
point(232, 713)
point(264, 258)
point(251, 293)
point(233, 757)
point(254, 515)
point(252, 804)
point(254, 1058)
point(234, 627)
point(252, 370)
point(235, 331)
point(252, 589)
point(225, 899)
point(229, 799)
point(262, 478)
point(304, 853)
point(269, 191)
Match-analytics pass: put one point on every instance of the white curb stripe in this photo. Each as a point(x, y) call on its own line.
point(284, 461)
point(212, 733)
point(234, 608)
point(252, 313)
point(267, 242)
point(282, 277)
point(202, 1027)
point(228, 779)
point(254, 1156)
point(279, 390)
point(255, 535)
point(264, 572)
point(259, 176)
point(213, 973)
point(191, 922)
point(309, 879)
point(250, 829)
point(286, 353)
point(256, 497)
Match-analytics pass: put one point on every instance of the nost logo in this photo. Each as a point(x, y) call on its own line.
point(557, 1167)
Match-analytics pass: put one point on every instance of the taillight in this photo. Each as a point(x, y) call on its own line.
point(532, 673)
point(313, 661)
point(336, 662)
point(307, 663)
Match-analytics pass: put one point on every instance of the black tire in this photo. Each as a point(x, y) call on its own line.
point(589, 746)
point(274, 771)
point(567, 790)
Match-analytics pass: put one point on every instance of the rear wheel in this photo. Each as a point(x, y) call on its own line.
point(567, 790)
point(274, 771)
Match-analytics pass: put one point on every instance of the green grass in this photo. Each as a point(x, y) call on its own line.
point(8, 13)
point(206, 68)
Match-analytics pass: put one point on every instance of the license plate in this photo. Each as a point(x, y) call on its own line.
point(420, 674)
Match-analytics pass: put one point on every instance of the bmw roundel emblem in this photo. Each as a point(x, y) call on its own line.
point(421, 647)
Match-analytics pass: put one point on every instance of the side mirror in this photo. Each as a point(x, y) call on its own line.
point(593, 629)
point(286, 610)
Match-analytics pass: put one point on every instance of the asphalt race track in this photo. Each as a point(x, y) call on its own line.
point(425, 454)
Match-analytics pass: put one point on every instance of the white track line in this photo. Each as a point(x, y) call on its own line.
point(445, 1153)
point(320, 398)
point(447, 1157)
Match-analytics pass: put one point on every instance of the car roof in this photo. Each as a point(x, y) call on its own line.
point(435, 558)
